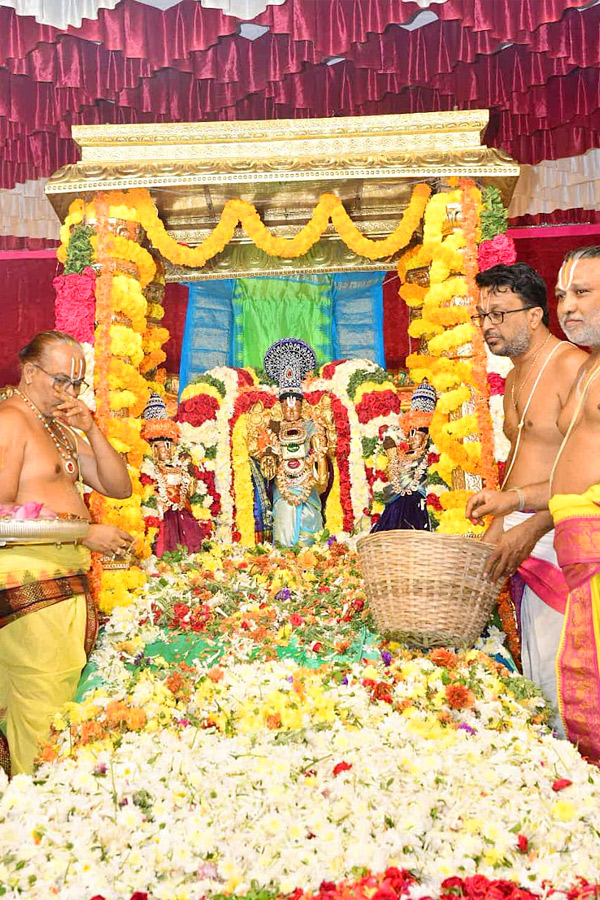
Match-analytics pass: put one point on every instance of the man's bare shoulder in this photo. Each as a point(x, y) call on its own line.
point(12, 414)
point(569, 362)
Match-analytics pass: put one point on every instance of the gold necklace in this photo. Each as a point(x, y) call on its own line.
point(514, 399)
point(60, 441)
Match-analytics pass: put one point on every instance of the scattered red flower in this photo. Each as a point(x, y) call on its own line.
point(522, 843)
point(561, 783)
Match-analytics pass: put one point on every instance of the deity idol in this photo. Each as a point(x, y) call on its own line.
point(292, 451)
point(172, 472)
point(406, 448)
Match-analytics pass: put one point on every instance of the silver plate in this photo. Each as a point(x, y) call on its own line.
point(42, 531)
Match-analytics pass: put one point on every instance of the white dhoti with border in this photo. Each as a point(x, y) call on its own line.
point(541, 614)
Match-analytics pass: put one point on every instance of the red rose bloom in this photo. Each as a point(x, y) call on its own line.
point(497, 384)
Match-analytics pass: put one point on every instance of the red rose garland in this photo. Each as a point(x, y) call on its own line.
point(377, 403)
point(197, 410)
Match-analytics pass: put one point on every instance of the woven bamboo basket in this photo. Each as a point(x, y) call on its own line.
point(427, 589)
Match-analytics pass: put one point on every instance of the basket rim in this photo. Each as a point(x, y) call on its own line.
point(401, 535)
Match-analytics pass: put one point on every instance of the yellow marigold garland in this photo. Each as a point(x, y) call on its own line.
point(451, 339)
point(452, 400)
point(242, 480)
point(127, 298)
point(419, 328)
point(126, 343)
point(334, 514)
point(329, 207)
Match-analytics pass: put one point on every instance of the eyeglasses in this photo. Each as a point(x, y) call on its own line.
point(497, 316)
point(63, 381)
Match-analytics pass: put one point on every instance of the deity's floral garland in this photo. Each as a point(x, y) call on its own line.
point(120, 391)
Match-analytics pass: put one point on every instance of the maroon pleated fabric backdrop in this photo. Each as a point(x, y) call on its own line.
point(533, 63)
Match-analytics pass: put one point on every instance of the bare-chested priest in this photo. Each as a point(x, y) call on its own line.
point(513, 315)
point(47, 619)
point(572, 493)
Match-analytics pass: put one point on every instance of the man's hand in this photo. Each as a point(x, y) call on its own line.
point(512, 547)
point(491, 503)
point(107, 539)
point(73, 411)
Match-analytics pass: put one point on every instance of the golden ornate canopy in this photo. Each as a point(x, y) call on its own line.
point(282, 167)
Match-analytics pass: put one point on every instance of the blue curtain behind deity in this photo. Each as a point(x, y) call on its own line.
point(358, 316)
point(233, 321)
point(208, 328)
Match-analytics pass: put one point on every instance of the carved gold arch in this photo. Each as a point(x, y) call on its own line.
point(282, 167)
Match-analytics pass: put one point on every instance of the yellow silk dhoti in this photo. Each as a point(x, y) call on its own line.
point(577, 544)
point(42, 650)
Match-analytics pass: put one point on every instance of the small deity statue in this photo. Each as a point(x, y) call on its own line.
point(293, 451)
point(172, 472)
point(406, 448)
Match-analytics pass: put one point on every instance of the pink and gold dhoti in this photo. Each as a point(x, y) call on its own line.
point(540, 594)
point(577, 543)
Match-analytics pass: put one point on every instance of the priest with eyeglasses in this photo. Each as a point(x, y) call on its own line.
point(50, 446)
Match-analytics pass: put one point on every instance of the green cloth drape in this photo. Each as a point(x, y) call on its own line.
point(268, 309)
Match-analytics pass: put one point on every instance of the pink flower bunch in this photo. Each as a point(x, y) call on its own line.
point(75, 304)
point(501, 249)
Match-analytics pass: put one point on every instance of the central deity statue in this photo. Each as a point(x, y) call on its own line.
point(293, 450)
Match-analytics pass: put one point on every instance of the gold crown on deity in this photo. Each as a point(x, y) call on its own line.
point(288, 362)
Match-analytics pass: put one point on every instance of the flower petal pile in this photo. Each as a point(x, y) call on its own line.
point(241, 729)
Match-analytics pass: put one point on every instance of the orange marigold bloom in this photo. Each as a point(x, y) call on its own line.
point(459, 696)
point(116, 713)
point(136, 719)
point(443, 657)
point(48, 753)
point(215, 674)
point(92, 731)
